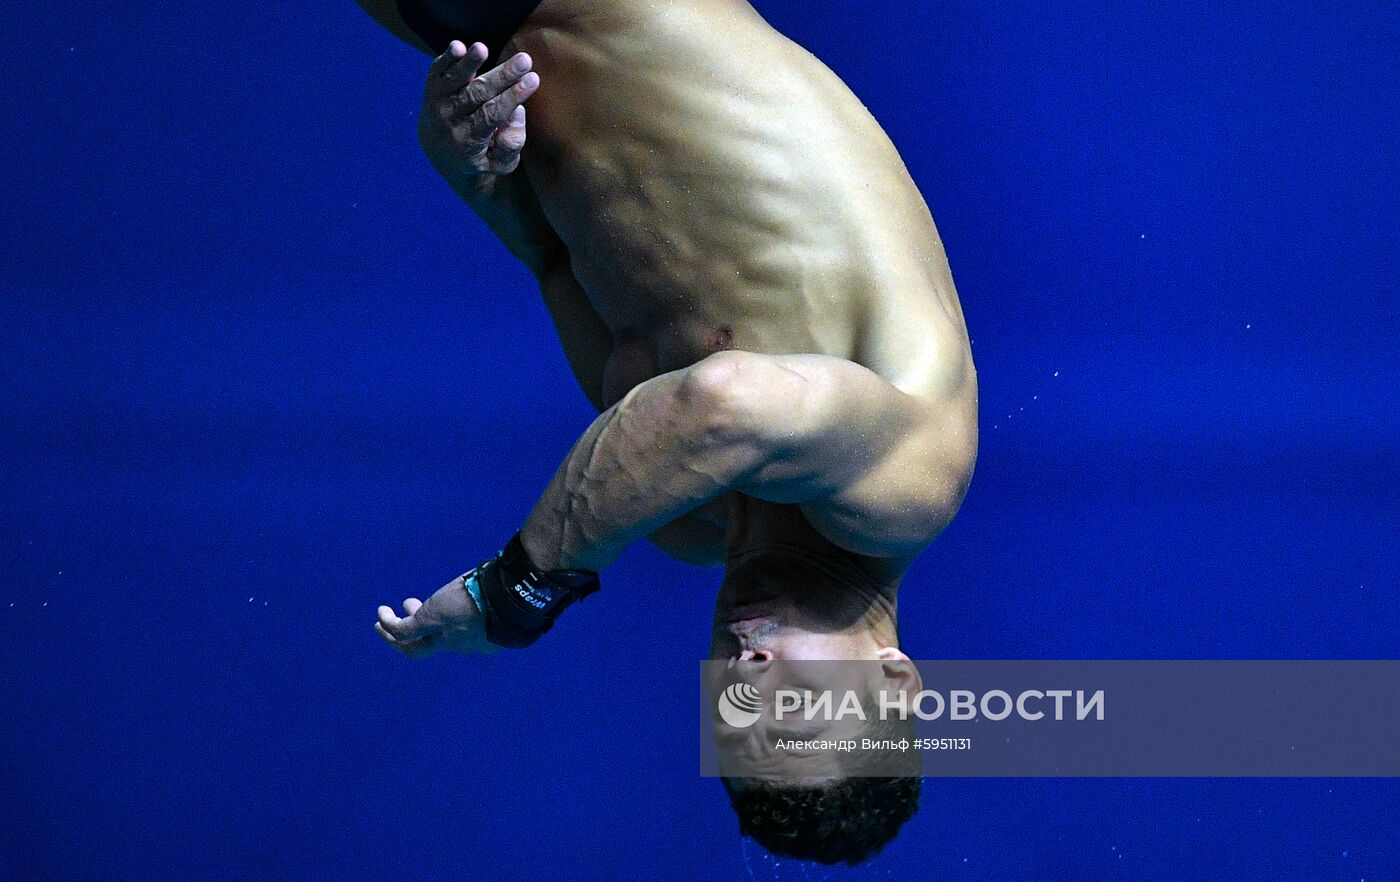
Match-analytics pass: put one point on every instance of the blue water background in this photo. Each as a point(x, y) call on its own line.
point(260, 372)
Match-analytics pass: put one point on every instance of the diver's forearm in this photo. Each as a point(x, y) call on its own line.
point(472, 129)
point(509, 208)
point(586, 339)
point(507, 204)
point(667, 448)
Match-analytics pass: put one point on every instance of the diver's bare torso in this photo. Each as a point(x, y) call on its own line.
point(717, 187)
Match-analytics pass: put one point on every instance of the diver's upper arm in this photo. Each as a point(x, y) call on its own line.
point(386, 12)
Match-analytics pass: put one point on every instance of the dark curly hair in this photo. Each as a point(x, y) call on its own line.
point(843, 820)
point(846, 821)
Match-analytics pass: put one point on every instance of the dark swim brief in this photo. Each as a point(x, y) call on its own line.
point(439, 22)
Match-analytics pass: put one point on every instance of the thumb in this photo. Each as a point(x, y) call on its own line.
point(410, 627)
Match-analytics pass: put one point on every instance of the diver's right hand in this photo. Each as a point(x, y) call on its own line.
point(450, 621)
point(473, 127)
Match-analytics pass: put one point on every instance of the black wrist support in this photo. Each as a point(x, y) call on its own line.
point(519, 601)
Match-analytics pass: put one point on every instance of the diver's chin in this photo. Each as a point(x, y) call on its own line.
point(752, 611)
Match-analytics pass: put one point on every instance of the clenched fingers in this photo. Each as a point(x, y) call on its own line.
point(409, 627)
point(409, 634)
point(495, 82)
point(504, 153)
point(482, 117)
point(411, 648)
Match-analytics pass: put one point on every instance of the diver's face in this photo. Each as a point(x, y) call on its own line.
point(796, 642)
point(751, 750)
point(779, 630)
point(800, 704)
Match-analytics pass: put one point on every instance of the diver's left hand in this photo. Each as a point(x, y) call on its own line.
point(473, 127)
point(449, 621)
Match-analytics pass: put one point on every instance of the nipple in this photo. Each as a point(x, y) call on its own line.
point(722, 338)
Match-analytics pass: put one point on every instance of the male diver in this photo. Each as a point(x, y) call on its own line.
point(750, 289)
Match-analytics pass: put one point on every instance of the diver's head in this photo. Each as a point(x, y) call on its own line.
point(788, 622)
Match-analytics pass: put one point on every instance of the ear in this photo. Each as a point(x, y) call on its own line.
point(900, 674)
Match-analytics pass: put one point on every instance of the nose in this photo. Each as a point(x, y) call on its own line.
point(755, 659)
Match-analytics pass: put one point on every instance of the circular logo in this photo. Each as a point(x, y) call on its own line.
point(739, 705)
